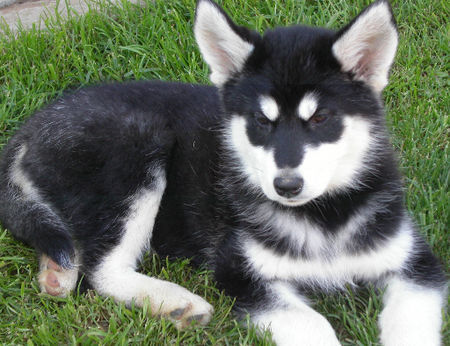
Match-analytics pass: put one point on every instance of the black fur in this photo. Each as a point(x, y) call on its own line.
point(91, 150)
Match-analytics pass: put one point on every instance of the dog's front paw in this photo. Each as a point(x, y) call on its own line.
point(297, 327)
point(177, 304)
point(411, 316)
point(194, 309)
point(185, 316)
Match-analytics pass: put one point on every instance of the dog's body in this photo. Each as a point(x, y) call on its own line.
point(281, 181)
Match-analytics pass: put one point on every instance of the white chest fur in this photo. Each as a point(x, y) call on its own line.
point(337, 268)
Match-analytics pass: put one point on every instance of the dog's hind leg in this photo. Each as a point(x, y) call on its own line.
point(25, 211)
point(115, 274)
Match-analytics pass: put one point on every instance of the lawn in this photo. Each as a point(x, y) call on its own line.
point(155, 41)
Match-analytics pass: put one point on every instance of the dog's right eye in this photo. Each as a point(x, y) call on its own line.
point(261, 119)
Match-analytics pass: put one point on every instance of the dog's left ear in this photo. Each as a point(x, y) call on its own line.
point(366, 47)
point(224, 45)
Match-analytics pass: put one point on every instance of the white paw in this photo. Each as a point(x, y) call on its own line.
point(177, 304)
point(55, 280)
point(187, 309)
point(303, 327)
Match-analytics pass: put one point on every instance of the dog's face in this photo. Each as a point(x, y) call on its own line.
point(303, 102)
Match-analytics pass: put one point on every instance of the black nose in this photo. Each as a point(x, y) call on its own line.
point(288, 187)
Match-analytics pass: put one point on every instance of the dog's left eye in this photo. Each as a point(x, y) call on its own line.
point(261, 119)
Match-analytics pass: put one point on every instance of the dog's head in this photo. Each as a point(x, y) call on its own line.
point(304, 103)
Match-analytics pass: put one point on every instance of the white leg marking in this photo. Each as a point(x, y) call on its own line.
point(55, 280)
point(294, 322)
point(20, 178)
point(116, 275)
point(411, 316)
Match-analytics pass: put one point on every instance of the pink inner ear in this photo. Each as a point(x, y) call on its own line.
point(362, 68)
point(225, 59)
point(367, 48)
point(222, 47)
point(222, 58)
point(371, 59)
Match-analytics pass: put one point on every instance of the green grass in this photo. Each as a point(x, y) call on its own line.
point(156, 42)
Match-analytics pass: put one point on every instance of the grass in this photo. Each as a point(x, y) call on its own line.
point(155, 41)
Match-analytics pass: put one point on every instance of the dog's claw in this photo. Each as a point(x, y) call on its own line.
point(196, 318)
point(183, 317)
point(178, 313)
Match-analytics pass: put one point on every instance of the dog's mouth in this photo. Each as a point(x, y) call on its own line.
point(293, 202)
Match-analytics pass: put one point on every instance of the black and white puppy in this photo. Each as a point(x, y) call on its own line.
point(281, 179)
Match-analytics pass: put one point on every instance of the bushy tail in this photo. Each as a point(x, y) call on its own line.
point(33, 221)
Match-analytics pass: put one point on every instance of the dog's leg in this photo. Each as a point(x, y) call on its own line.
point(116, 275)
point(412, 314)
point(291, 321)
point(56, 280)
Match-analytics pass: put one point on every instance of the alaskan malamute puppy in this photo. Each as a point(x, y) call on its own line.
point(281, 179)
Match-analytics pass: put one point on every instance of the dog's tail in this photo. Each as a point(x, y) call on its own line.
point(26, 215)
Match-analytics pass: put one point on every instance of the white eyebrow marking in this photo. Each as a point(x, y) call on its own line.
point(307, 106)
point(269, 107)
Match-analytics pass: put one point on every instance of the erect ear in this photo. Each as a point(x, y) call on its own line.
point(224, 45)
point(366, 47)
